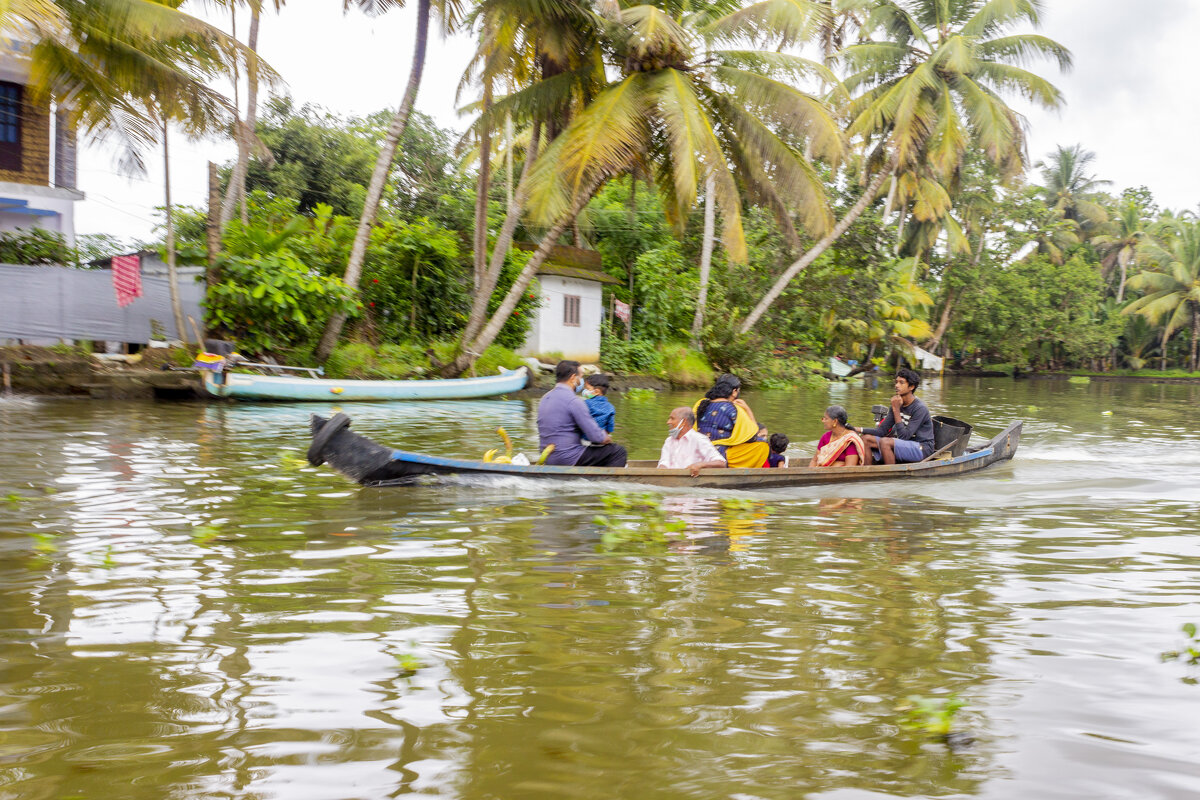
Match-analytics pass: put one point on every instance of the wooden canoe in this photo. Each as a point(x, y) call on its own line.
point(371, 464)
point(248, 386)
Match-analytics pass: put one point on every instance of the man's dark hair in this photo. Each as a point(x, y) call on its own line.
point(914, 380)
point(565, 370)
point(599, 379)
point(779, 442)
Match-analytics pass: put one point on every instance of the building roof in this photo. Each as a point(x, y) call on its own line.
point(571, 262)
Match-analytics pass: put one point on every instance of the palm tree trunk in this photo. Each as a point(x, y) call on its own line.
point(172, 277)
point(472, 350)
point(706, 251)
point(237, 180)
point(952, 296)
point(1123, 260)
point(508, 159)
point(820, 247)
point(383, 165)
point(944, 322)
point(1195, 334)
point(481, 189)
point(483, 293)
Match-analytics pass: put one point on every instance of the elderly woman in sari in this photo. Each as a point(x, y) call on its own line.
point(840, 446)
point(729, 423)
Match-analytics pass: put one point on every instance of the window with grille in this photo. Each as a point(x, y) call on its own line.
point(10, 126)
point(571, 310)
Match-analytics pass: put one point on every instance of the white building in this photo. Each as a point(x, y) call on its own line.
point(37, 153)
point(568, 320)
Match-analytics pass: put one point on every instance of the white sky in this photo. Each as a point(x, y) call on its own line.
point(1131, 97)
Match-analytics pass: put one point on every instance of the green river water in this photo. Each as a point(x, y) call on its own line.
point(188, 610)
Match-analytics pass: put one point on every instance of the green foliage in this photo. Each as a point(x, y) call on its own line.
point(683, 366)
point(273, 293)
point(516, 328)
point(35, 246)
point(496, 357)
point(388, 361)
point(412, 282)
point(638, 394)
point(95, 246)
point(782, 373)
point(637, 356)
point(663, 311)
point(1036, 313)
point(932, 716)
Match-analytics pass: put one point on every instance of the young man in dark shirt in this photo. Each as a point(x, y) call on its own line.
point(905, 434)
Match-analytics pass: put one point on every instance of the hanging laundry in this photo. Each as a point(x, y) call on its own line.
point(127, 278)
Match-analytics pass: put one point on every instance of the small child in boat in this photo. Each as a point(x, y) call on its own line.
point(779, 445)
point(595, 387)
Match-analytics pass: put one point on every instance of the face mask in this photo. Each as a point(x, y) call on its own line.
point(588, 394)
point(579, 387)
point(677, 431)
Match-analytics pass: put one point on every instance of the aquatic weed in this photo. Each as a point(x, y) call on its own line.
point(205, 534)
point(639, 394)
point(932, 716)
point(1190, 654)
point(645, 522)
point(408, 661)
point(45, 543)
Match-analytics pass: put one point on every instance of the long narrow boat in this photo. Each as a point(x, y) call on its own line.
point(371, 464)
point(248, 386)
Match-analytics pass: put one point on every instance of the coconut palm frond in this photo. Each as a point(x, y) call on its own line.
point(698, 154)
point(1024, 49)
point(785, 21)
point(789, 107)
point(1006, 77)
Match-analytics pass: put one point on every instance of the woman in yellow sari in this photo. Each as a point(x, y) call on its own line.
point(840, 446)
point(730, 424)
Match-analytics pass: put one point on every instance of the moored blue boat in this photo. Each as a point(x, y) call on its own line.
point(249, 386)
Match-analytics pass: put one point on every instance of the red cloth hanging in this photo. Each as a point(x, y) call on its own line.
point(127, 278)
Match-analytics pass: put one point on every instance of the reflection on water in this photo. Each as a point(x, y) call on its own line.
point(188, 609)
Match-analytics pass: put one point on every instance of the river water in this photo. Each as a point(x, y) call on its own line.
point(188, 610)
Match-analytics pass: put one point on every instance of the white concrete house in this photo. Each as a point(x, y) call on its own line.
point(37, 154)
point(568, 320)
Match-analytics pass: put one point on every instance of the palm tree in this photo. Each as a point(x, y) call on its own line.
point(930, 89)
point(681, 111)
point(244, 129)
point(1129, 228)
point(99, 57)
point(1069, 190)
point(551, 51)
point(1173, 287)
point(449, 11)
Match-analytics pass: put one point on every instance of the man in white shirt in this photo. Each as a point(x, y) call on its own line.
point(687, 448)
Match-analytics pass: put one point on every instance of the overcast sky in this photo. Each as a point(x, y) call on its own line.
point(1131, 97)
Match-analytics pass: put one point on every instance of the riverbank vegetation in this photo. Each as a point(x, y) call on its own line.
point(770, 183)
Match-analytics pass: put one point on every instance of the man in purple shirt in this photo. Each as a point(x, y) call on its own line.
point(563, 419)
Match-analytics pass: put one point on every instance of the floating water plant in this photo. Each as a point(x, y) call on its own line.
point(639, 394)
point(932, 716)
point(45, 543)
point(408, 661)
point(649, 522)
point(1190, 653)
point(204, 534)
